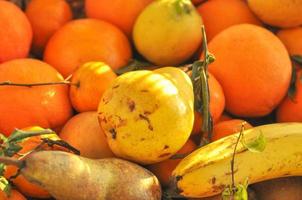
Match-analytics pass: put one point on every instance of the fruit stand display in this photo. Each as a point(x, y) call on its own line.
point(150, 99)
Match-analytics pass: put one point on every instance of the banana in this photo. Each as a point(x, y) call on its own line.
point(207, 171)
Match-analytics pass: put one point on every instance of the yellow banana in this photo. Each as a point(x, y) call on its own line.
point(207, 171)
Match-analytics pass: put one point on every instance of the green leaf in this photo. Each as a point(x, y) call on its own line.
point(133, 65)
point(19, 135)
point(12, 149)
point(258, 145)
point(2, 169)
point(241, 192)
point(297, 59)
point(238, 193)
point(3, 139)
point(227, 193)
point(5, 185)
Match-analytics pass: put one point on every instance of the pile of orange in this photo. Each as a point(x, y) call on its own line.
point(253, 42)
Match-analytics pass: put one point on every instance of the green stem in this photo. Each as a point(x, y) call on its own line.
point(233, 159)
point(64, 82)
point(11, 161)
point(25, 134)
point(207, 125)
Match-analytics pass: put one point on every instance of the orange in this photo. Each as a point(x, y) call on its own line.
point(46, 106)
point(289, 109)
point(46, 16)
point(15, 32)
point(14, 195)
point(84, 133)
point(253, 67)
point(84, 40)
point(118, 12)
point(225, 128)
point(281, 13)
point(217, 102)
point(218, 15)
point(29, 144)
point(163, 170)
point(292, 39)
point(90, 81)
point(224, 117)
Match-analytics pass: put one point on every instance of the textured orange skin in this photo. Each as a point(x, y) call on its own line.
point(225, 128)
point(84, 133)
point(163, 170)
point(91, 79)
point(84, 40)
point(15, 32)
point(292, 39)
point(118, 12)
point(279, 13)
point(253, 67)
point(45, 106)
point(217, 103)
point(218, 15)
point(290, 110)
point(46, 17)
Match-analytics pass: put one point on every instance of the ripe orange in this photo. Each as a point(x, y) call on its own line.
point(84, 133)
point(45, 106)
point(224, 117)
point(292, 39)
point(163, 170)
point(225, 128)
point(218, 15)
point(281, 13)
point(289, 109)
point(29, 144)
point(118, 12)
point(253, 67)
point(85, 40)
point(15, 32)
point(46, 16)
point(91, 80)
point(217, 103)
point(14, 195)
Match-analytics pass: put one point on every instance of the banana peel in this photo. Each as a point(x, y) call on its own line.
point(207, 171)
